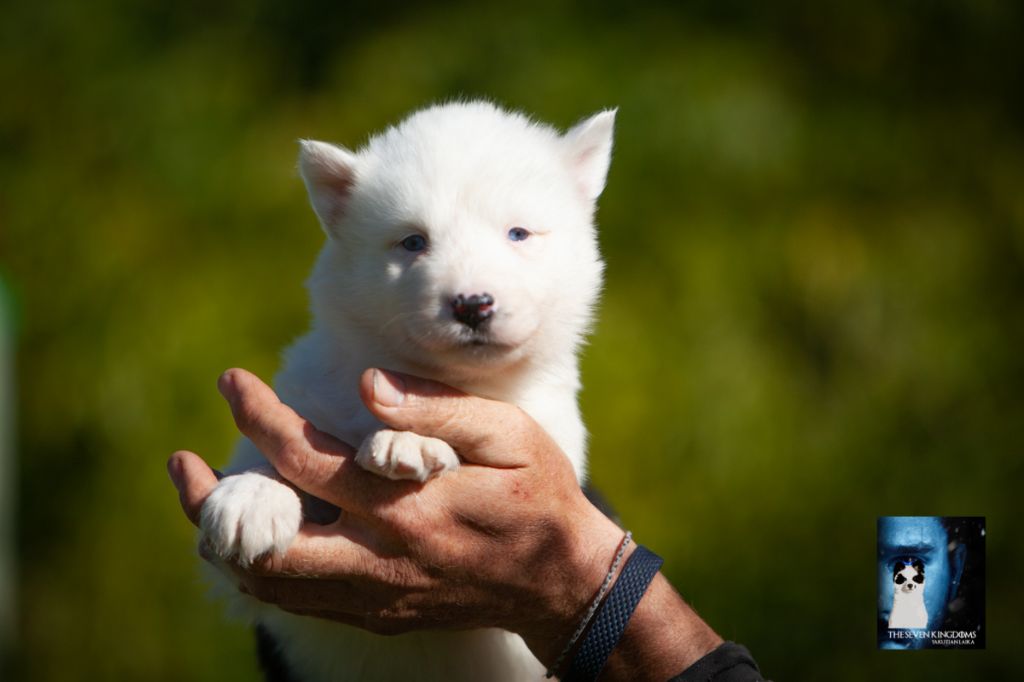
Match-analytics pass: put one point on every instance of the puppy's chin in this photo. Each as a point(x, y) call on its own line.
point(458, 351)
point(495, 344)
point(477, 354)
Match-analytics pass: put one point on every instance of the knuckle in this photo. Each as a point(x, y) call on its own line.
point(389, 581)
point(408, 523)
point(392, 515)
point(290, 459)
point(519, 421)
point(446, 414)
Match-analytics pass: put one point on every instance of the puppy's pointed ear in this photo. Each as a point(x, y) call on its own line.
point(589, 145)
point(329, 173)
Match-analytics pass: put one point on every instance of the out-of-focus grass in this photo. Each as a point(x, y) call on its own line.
point(814, 231)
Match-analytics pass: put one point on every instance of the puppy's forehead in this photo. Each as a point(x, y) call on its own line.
point(457, 151)
point(471, 164)
point(463, 126)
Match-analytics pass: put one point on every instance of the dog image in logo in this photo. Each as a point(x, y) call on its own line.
point(908, 610)
point(460, 246)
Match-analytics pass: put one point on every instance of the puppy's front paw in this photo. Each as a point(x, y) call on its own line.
point(405, 455)
point(249, 515)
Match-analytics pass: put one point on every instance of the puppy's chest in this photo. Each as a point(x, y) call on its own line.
point(330, 409)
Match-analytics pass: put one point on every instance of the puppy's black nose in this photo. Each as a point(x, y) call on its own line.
point(474, 310)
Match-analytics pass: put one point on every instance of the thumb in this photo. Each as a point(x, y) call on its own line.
point(482, 431)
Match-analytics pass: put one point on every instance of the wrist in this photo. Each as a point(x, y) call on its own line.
point(572, 585)
point(613, 613)
point(664, 637)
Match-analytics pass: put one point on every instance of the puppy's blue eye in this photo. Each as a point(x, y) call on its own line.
point(518, 234)
point(414, 243)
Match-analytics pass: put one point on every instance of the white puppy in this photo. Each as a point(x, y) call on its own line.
point(908, 610)
point(460, 247)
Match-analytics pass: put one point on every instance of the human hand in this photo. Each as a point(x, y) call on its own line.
point(508, 540)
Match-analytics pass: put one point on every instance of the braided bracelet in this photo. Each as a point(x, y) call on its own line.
point(614, 615)
point(593, 605)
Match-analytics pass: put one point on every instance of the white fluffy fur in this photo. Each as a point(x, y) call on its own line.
point(908, 609)
point(461, 175)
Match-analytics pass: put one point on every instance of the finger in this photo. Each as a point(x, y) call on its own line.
point(304, 593)
point(480, 430)
point(335, 562)
point(312, 460)
point(378, 625)
point(194, 479)
point(330, 566)
point(341, 550)
point(362, 604)
point(364, 621)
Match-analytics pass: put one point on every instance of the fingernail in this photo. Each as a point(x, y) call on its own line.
point(226, 385)
point(174, 470)
point(388, 388)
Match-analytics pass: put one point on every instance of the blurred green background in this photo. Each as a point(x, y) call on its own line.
point(814, 228)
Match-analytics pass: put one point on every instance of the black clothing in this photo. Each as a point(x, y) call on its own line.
point(730, 662)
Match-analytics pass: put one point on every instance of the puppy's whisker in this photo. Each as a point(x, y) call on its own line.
point(396, 318)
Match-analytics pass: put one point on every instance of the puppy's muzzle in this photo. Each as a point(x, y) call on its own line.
point(474, 310)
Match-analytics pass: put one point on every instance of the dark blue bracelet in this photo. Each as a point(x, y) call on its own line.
point(611, 620)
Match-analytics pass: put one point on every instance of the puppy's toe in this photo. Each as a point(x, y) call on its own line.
point(438, 456)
